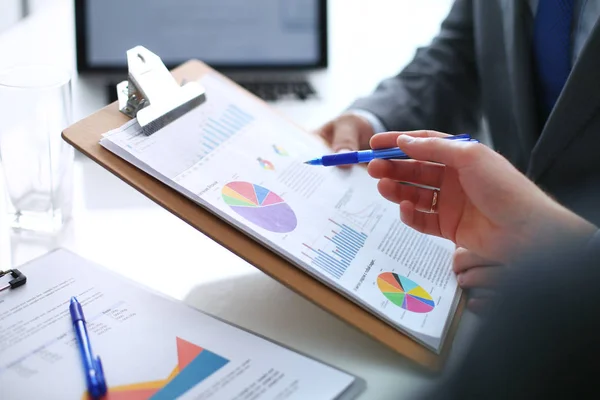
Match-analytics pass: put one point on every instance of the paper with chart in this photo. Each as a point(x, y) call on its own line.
point(244, 162)
point(150, 346)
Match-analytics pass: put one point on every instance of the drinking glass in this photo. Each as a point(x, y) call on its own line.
point(35, 106)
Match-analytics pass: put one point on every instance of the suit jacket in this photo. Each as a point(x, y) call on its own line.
point(479, 68)
point(531, 347)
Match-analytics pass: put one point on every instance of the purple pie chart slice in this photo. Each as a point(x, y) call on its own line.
point(263, 207)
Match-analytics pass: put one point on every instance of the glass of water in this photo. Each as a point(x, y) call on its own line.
point(35, 106)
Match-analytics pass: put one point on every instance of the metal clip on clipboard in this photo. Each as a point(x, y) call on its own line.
point(152, 95)
point(17, 279)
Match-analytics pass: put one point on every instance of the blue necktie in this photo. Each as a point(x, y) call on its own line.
point(552, 50)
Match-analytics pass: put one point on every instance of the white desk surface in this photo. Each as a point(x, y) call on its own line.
point(117, 227)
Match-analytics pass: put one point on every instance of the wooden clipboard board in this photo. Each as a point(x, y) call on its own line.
point(85, 136)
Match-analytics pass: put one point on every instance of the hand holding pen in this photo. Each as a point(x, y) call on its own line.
point(365, 156)
point(476, 198)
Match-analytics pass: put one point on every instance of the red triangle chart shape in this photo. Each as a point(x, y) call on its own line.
point(271, 199)
point(245, 189)
point(186, 352)
point(389, 278)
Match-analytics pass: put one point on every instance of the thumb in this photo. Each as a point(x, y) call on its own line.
point(345, 137)
point(452, 153)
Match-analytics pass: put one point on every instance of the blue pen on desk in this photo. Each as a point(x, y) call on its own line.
point(364, 156)
point(92, 366)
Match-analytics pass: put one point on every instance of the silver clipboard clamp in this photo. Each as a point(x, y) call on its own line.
point(151, 94)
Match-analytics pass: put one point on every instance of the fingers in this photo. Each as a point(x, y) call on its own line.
point(455, 154)
point(389, 139)
point(481, 277)
point(396, 192)
point(342, 134)
point(326, 132)
point(421, 222)
point(348, 132)
point(465, 259)
point(474, 271)
point(418, 172)
point(345, 137)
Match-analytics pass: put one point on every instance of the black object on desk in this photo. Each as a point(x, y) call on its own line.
point(18, 279)
point(275, 90)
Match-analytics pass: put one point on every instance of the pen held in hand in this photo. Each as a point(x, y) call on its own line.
point(365, 156)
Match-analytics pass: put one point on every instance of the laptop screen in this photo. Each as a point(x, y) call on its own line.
point(226, 34)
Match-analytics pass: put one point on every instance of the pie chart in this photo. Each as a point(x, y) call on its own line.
point(405, 293)
point(260, 206)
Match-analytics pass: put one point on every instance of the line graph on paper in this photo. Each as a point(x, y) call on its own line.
point(359, 214)
point(366, 218)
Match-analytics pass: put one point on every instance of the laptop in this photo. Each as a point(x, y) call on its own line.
point(270, 47)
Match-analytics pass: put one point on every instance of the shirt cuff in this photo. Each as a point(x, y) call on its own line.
point(371, 118)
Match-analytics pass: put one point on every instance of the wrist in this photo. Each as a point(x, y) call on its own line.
point(556, 225)
point(575, 226)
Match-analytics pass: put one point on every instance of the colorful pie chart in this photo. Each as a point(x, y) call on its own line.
point(280, 150)
point(260, 206)
point(265, 164)
point(405, 293)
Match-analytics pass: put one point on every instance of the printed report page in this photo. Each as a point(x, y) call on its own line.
point(245, 163)
point(150, 346)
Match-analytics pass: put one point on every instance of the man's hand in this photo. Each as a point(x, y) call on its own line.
point(348, 132)
point(475, 272)
point(484, 203)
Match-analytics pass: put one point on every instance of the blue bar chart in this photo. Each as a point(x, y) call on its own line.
point(340, 248)
point(218, 130)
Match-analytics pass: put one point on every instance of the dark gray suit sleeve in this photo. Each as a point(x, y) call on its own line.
point(539, 337)
point(595, 241)
point(439, 89)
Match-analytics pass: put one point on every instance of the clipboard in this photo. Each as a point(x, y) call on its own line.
point(85, 136)
point(156, 381)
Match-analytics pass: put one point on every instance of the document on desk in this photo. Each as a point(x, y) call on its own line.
point(244, 162)
point(151, 346)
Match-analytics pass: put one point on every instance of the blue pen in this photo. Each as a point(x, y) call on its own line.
point(364, 156)
point(92, 366)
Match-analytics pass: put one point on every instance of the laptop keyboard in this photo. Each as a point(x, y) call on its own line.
point(277, 90)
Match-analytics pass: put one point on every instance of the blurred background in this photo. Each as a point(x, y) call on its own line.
point(340, 48)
